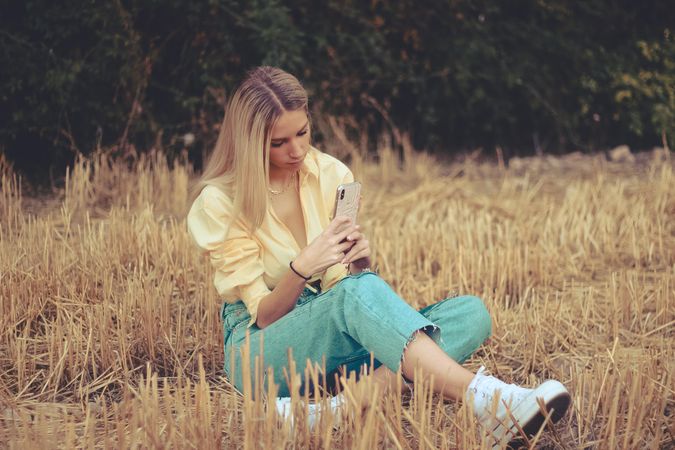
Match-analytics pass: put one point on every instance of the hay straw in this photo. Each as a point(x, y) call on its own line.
point(110, 336)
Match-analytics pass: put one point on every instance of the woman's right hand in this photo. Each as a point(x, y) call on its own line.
point(327, 249)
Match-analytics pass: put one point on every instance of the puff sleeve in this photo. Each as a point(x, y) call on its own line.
point(234, 253)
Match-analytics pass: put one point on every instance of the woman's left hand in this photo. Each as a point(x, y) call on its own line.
point(359, 254)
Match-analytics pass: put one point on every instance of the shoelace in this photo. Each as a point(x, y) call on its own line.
point(284, 408)
point(487, 388)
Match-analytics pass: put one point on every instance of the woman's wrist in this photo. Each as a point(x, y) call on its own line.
point(299, 268)
point(354, 268)
point(306, 278)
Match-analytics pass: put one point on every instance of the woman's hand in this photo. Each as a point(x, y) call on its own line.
point(329, 248)
point(359, 255)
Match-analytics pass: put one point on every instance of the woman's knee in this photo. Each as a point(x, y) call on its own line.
point(478, 317)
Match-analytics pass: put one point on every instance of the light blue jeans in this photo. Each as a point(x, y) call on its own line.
point(359, 315)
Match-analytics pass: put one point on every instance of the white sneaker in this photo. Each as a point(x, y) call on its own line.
point(284, 408)
point(522, 404)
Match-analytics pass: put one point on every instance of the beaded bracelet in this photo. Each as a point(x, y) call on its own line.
point(290, 264)
point(366, 269)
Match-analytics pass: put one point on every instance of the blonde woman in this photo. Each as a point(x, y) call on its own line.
point(288, 273)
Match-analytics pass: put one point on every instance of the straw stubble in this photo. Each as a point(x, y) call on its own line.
point(110, 336)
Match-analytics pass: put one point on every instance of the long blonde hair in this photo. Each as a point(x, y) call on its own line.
point(239, 163)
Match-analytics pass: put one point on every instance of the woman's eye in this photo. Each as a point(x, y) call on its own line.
point(277, 144)
point(302, 133)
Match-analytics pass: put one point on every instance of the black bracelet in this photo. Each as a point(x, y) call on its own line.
point(290, 264)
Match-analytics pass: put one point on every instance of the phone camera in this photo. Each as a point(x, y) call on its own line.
point(342, 195)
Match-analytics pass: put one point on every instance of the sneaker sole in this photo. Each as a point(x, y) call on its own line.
point(528, 413)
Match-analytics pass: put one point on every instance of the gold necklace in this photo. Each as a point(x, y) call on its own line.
point(283, 189)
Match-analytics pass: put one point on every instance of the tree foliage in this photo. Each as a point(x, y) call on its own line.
point(523, 75)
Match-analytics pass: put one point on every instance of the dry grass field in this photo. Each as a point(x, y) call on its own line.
point(110, 336)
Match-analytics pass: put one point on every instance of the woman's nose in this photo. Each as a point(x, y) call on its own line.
point(297, 149)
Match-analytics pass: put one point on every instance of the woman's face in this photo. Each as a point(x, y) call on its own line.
point(290, 141)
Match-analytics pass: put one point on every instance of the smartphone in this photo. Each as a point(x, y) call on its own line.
point(347, 197)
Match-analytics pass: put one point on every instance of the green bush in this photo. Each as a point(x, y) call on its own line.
point(524, 75)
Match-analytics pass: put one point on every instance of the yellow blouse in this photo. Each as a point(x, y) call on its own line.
point(248, 266)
